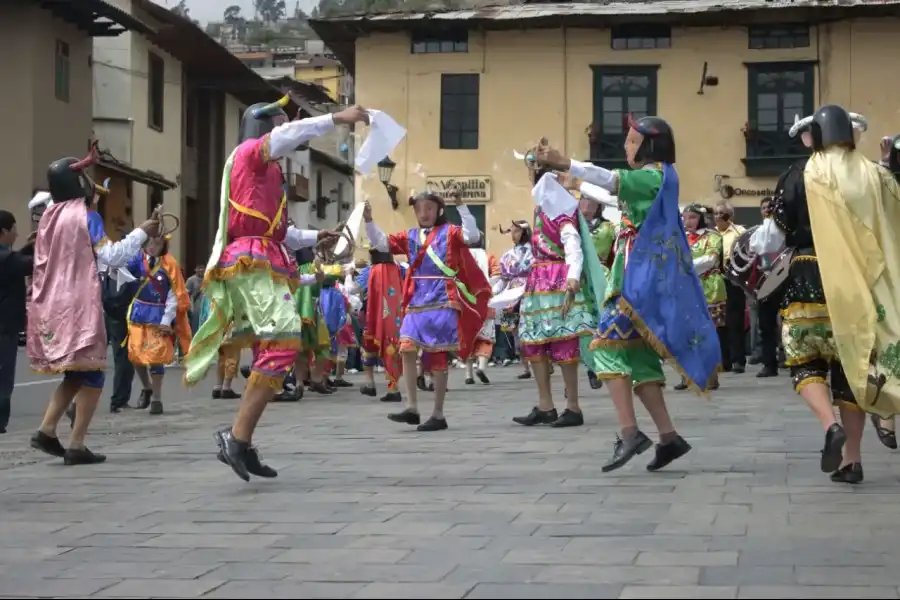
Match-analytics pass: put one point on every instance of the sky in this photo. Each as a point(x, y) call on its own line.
point(212, 10)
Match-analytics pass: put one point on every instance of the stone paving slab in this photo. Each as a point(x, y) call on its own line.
point(365, 508)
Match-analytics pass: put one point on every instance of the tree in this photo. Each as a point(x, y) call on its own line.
point(232, 14)
point(181, 9)
point(274, 11)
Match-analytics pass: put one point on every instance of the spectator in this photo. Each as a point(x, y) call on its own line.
point(734, 348)
point(15, 266)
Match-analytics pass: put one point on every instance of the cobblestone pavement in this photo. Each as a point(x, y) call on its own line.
point(365, 508)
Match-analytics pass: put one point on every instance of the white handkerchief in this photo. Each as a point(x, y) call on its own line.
point(598, 194)
point(552, 198)
point(121, 276)
point(507, 298)
point(384, 135)
point(354, 224)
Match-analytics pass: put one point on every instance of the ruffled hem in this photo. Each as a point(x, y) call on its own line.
point(246, 265)
point(51, 368)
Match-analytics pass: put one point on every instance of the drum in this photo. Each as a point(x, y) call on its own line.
point(757, 275)
point(743, 267)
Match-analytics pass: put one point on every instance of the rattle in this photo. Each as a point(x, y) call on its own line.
point(166, 230)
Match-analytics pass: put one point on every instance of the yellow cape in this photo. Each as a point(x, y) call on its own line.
point(854, 210)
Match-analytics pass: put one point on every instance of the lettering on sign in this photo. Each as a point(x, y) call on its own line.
point(728, 191)
point(474, 189)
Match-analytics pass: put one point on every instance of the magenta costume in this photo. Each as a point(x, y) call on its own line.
point(543, 333)
point(66, 328)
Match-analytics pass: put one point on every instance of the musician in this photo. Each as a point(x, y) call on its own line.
point(66, 332)
point(734, 341)
point(250, 275)
point(445, 296)
point(706, 250)
point(654, 304)
point(849, 206)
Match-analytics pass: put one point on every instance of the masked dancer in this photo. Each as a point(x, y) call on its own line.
point(553, 313)
point(381, 336)
point(484, 342)
point(706, 250)
point(445, 297)
point(839, 213)
point(66, 330)
point(157, 319)
point(250, 276)
point(654, 304)
point(514, 267)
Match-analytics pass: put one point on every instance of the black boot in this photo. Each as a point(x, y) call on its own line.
point(234, 452)
point(253, 462)
point(144, 401)
point(625, 450)
point(595, 383)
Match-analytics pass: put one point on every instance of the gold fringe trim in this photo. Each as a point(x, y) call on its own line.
point(563, 338)
point(246, 265)
point(809, 381)
point(608, 344)
point(664, 352)
point(76, 367)
point(270, 381)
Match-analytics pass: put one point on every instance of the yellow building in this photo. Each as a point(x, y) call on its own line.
point(321, 70)
point(472, 87)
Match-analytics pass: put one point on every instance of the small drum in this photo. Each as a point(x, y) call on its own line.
point(755, 274)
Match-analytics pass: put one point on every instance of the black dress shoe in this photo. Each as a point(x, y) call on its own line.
point(433, 424)
point(482, 376)
point(832, 453)
point(216, 394)
point(594, 382)
point(406, 417)
point(233, 395)
point(887, 437)
point(368, 390)
point(625, 450)
point(537, 417)
point(341, 383)
point(470, 381)
point(234, 452)
point(156, 407)
point(525, 375)
point(569, 418)
point(681, 385)
point(391, 397)
point(667, 453)
point(320, 388)
point(82, 456)
point(245, 372)
point(738, 368)
point(852, 473)
point(48, 445)
point(254, 464)
point(768, 372)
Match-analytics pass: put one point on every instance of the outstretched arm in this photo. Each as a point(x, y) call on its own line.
point(113, 254)
point(300, 238)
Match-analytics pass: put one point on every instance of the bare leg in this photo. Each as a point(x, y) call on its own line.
point(409, 368)
point(620, 390)
point(301, 367)
point(253, 404)
point(86, 401)
point(369, 372)
point(570, 378)
point(651, 396)
point(440, 393)
point(818, 398)
point(542, 377)
point(59, 402)
point(854, 422)
point(156, 382)
point(226, 383)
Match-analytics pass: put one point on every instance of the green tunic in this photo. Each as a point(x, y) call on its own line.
point(709, 244)
point(314, 333)
point(619, 350)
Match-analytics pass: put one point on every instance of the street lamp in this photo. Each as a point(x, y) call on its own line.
point(385, 172)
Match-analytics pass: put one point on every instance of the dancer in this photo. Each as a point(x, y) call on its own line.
point(157, 319)
point(381, 336)
point(336, 308)
point(250, 276)
point(227, 362)
point(66, 332)
point(839, 213)
point(553, 314)
point(315, 349)
point(706, 250)
point(484, 341)
point(514, 267)
point(445, 296)
point(654, 304)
